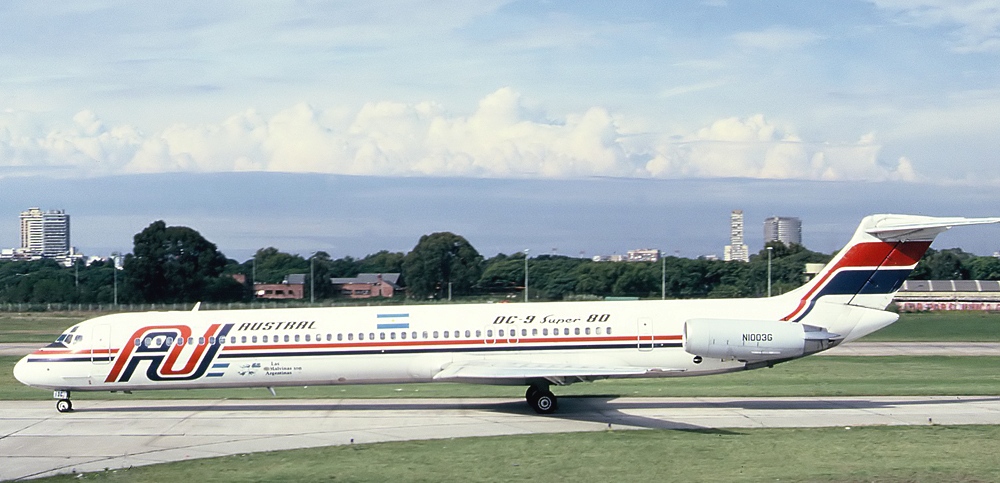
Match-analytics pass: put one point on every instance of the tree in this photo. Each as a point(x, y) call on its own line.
point(440, 259)
point(171, 264)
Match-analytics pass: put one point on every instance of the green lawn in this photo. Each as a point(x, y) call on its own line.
point(41, 328)
point(888, 454)
point(942, 327)
point(811, 376)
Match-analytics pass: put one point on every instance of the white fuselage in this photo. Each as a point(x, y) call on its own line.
point(388, 344)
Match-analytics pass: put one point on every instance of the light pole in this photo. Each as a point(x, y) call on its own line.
point(769, 250)
point(114, 266)
point(525, 274)
point(663, 277)
point(312, 283)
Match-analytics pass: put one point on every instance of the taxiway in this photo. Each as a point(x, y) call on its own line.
point(35, 440)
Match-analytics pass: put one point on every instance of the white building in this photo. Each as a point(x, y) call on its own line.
point(736, 250)
point(44, 234)
point(787, 230)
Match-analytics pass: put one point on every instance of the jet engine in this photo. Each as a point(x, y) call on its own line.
point(754, 340)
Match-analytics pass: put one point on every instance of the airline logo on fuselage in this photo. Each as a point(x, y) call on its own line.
point(170, 353)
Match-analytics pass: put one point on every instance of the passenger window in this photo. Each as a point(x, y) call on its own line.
point(254, 340)
point(458, 334)
point(424, 334)
point(307, 337)
point(566, 331)
point(435, 334)
point(587, 331)
point(265, 339)
point(468, 334)
point(402, 335)
point(138, 342)
point(479, 333)
point(78, 338)
point(371, 336)
point(190, 340)
point(597, 331)
point(329, 337)
point(608, 331)
point(413, 335)
point(381, 335)
point(534, 332)
point(576, 331)
point(243, 339)
point(500, 332)
point(201, 341)
point(446, 334)
point(361, 336)
point(524, 332)
point(296, 337)
point(340, 337)
point(350, 336)
point(211, 340)
point(545, 331)
point(489, 333)
point(392, 335)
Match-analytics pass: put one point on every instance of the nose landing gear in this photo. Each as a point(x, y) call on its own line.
point(63, 405)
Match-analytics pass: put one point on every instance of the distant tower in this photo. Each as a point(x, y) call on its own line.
point(45, 233)
point(736, 249)
point(787, 230)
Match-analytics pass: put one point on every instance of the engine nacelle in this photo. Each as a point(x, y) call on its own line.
point(754, 340)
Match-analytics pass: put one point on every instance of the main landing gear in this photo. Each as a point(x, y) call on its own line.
point(63, 405)
point(541, 399)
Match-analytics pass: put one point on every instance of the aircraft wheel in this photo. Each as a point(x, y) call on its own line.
point(64, 405)
point(543, 402)
point(530, 393)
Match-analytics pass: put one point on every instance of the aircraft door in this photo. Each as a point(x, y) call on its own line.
point(644, 330)
point(100, 345)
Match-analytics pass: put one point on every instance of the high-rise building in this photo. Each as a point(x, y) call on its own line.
point(736, 250)
point(44, 233)
point(787, 230)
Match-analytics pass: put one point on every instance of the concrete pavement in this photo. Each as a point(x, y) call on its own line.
point(35, 440)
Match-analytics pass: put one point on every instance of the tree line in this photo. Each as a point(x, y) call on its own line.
point(172, 264)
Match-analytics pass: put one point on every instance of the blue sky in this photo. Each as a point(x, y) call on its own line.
point(885, 91)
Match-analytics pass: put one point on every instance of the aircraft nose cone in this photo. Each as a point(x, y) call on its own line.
point(22, 372)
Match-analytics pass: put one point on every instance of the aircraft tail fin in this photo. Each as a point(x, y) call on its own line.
point(874, 264)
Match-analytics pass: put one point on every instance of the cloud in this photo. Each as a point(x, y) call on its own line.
point(775, 39)
point(501, 138)
point(975, 23)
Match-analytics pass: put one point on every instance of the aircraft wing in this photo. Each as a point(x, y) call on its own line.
point(518, 372)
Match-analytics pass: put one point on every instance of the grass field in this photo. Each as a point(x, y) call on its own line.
point(811, 376)
point(942, 327)
point(35, 327)
point(889, 454)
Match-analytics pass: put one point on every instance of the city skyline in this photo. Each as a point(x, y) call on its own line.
point(301, 213)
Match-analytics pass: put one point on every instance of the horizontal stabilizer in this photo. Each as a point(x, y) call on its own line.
point(914, 228)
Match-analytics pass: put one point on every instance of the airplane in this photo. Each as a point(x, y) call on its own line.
point(537, 345)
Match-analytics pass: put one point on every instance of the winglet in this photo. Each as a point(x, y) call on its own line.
point(196, 307)
point(915, 228)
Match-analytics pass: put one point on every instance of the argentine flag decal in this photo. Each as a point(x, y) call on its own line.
point(393, 324)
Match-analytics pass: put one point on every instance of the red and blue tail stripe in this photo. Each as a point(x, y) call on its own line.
point(868, 268)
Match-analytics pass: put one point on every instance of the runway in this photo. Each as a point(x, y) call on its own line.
point(35, 440)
